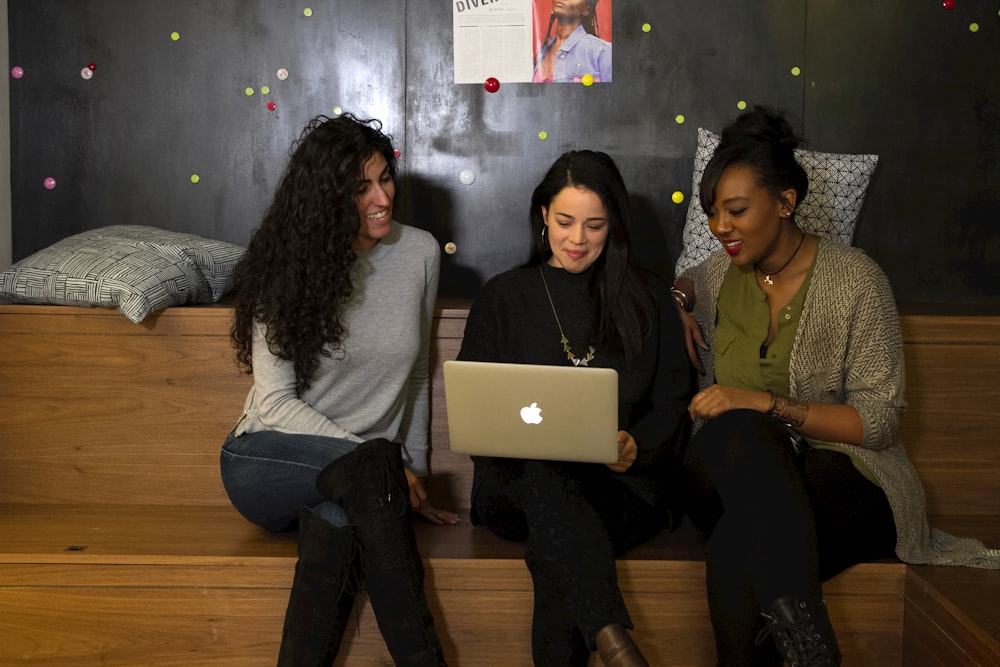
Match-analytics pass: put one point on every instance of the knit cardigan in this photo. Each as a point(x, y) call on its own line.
point(848, 349)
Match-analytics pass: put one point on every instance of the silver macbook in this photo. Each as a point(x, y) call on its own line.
point(560, 413)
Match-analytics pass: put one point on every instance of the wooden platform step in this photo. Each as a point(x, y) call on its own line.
point(105, 585)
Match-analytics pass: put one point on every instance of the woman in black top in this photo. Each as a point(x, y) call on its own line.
point(580, 300)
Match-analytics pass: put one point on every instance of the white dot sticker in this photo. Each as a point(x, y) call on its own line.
point(282, 74)
point(450, 247)
point(467, 177)
point(87, 73)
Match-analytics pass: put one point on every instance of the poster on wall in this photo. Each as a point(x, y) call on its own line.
point(541, 41)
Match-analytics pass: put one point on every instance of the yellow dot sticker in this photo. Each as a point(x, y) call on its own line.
point(195, 178)
point(337, 111)
point(646, 27)
point(587, 80)
point(796, 71)
point(175, 36)
point(264, 90)
point(677, 197)
point(543, 135)
point(307, 11)
point(741, 105)
point(248, 91)
point(973, 27)
point(679, 119)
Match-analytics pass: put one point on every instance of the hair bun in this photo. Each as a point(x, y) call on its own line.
point(761, 124)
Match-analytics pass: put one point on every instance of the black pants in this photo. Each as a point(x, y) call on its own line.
point(778, 524)
point(574, 519)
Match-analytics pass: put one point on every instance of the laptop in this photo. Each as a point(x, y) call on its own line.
point(559, 413)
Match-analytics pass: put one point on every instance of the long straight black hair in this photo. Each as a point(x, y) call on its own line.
point(625, 305)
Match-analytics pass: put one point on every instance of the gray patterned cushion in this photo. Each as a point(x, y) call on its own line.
point(133, 268)
point(837, 186)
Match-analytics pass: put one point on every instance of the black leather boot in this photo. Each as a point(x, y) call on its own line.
point(319, 606)
point(802, 631)
point(370, 484)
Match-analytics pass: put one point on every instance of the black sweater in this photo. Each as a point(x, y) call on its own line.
point(512, 322)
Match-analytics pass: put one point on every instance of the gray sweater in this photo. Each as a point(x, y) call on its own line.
point(377, 385)
point(848, 349)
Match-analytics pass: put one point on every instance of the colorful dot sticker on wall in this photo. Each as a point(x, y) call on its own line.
point(265, 90)
point(796, 71)
point(679, 119)
point(396, 153)
point(646, 27)
point(450, 247)
point(741, 105)
point(17, 71)
point(467, 177)
point(307, 11)
point(587, 80)
point(677, 197)
point(282, 74)
point(973, 27)
point(175, 36)
point(543, 135)
point(492, 84)
point(195, 178)
point(948, 4)
point(248, 91)
point(338, 110)
point(271, 106)
point(49, 183)
point(87, 74)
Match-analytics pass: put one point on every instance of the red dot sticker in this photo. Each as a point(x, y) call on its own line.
point(271, 106)
point(92, 66)
point(491, 84)
point(948, 4)
point(396, 153)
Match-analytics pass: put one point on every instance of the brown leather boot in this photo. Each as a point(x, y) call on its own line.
point(617, 649)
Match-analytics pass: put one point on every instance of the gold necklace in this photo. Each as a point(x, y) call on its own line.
point(562, 336)
point(767, 276)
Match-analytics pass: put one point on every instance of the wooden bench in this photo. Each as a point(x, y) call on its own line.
point(118, 545)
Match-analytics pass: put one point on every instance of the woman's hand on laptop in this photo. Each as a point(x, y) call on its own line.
point(420, 504)
point(627, 451)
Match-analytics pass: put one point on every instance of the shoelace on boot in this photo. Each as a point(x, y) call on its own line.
point(798, 642)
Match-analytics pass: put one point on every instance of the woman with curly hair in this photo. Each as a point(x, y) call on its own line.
point(333, 318)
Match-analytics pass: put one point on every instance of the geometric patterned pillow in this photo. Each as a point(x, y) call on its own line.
point(216, 259)
point(136, 269)
point(837, 186)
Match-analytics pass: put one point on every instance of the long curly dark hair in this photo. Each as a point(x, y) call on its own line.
point(295, 275)
point(626, 310)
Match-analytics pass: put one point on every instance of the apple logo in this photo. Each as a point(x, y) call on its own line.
point(531, 414)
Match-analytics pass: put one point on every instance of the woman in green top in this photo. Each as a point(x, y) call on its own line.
point(806, 357)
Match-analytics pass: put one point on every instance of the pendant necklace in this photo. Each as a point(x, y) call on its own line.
point(767, 276)
point(562, 336)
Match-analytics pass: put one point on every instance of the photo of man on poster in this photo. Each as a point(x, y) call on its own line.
point(572, 38)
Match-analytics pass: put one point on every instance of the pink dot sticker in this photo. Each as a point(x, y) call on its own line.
point(396, 153)
point(49, 183)
point(17, 71)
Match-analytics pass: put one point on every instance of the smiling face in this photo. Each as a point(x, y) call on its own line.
point(375, 193)
point(747, 218)
point(576, 222)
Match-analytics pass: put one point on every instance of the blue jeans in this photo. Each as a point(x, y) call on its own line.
point(271, 476)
